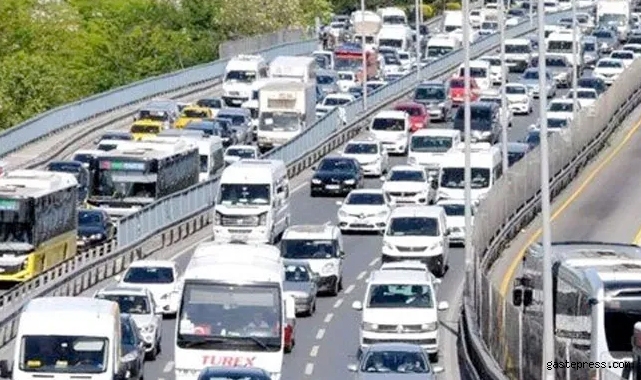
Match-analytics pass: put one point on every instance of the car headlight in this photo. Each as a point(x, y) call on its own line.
point(366, 326)
point(387, 245)
point(149, 328)
point(342, 214)
point(328, 268)
point(429, 326)
point(262, 219)
point(316, 181)
point(130, 357)
point(96, 237)
point(349, 181)
point(218, 219)
point(435, 245)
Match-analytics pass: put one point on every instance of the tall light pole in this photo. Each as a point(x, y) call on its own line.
point(364, 57)
point(469, 252)
point(504, 109)
point(575, 64)
point(548, 332)
point(531, 9)
point(417, 15)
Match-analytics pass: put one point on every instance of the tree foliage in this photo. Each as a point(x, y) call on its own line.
point(56, 51)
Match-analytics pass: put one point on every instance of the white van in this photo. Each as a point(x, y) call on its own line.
point(429, 146)
point(395, 36)
point(240, 72)
point(486, 170)
point(452, 20)
point(401, 306)
point(392, 128)
point(440, 45)
point(252, 204)
point(428, 244)
point(68, 337)
point(210, 149)
point(481, 71)
point(296, 68)
point(392, 16)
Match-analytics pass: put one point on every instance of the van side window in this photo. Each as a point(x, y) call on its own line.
point(262, 72)
point(498, 172)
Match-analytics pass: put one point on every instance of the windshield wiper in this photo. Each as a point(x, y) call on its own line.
point(218, 340)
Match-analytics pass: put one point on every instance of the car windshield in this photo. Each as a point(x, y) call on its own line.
point(622, 55)
point(195, 114)
point(308, 249)
point(335, 165)
point(492, 61)
point(454, 209)
point(589, 47)
point(297, 273)
point(149, 275)
point(583, 94)
point(475, 72)
point(325, 79)
point(413, 226)
point(604, 34)
point(407, 176)
point(388, 124)
point(361, 148)
point(531, 74)
point(63, 354)
point(129, 304)
point(241, 152)
point(87, 218)
point(517, 49)
point(391, 60)
point(555, 62)
point(431, 144)
point(236, 120)
point(430, 93)
point(240, 76)
point(458, 83)
point(211, 103)
point(454, 178)
point(560, 107)
point(609, 64)
point(395, 362)
point(365, 199)
point(399, 296)
point(515, 90)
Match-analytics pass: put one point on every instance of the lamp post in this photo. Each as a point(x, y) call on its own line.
point(504, 109)
point(575, 65)
point(364, 56)
point(417, 15)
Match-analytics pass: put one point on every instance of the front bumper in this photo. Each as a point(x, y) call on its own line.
point(434, 263)
point(374, 169)
point(519, 108)
point(234, 100)
point(398, 147)
point(427, 340)
point(437, 114)
point(354, 223)
point(331, 189)
point(327, 283)
point(304, 305)
point(258, 235)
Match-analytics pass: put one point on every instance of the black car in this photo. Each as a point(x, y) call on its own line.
point(336, 175)
point(233, 373)
point(94, 227)
point(132, 348)
point(595, 83)
point(516, 151)
point(484, 119)
point(533, 138)
point(216, 127)
point(79, 171)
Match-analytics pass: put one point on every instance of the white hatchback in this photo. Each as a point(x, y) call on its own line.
point(370, 154)
point(408, 185)
point(160, 277)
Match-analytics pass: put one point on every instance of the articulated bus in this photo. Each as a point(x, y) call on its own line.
point(140, 172)
point(596, 303)
point(38, 222)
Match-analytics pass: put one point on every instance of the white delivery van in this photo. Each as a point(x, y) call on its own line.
point(481, 71)
point(295, 68)
point(67, 338)
point(428, 147)
point(392, 128)
point(395, 36)
point(440, 45)
point(253, 202)
point(392, 16)
point(240, 72)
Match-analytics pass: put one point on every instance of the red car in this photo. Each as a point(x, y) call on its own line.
point(419, 118)
point(457, 90)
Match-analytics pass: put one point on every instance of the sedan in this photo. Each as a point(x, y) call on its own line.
point(214, 104)
point(94, 227)
point(132, 348)
point(302, 284)
point(626, 56)
point(419, 118)
point(239, 152)
point(518, 97)
point(241, 123)
point(597, 84)
point(370, 154)
point(530, 78)
point(608, 69)
point(584, 96)
point(394, 361)
point(363, 210)
point(336, 176)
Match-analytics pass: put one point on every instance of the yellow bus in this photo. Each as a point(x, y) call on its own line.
point(38, 222)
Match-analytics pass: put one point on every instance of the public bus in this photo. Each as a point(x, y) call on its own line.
point(140, 172)
point(80, 171)
point(596, 302)
point(38, 222)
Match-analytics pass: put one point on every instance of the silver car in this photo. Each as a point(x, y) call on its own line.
point(302, 284)
point(240, 123)
point(530, 78)
point(390, 361)
point(327, 81)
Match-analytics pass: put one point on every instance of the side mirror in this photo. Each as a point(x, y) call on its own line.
point(314, 168)
point(352, 367)
point(5, 369)
point(290, 308)
point(436, 281)
point(357, 305)
point(117, 278)
point(438, 369)
point(443, 305)
point(447, 232)
point(382, 178)
point(339, 203)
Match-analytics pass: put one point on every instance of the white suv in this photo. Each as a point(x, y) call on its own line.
point(406, 184)
point(320, 246)
point(400, 306)
point(418, 233)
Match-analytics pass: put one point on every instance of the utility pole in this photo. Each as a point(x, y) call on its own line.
point(417, 14)
point(575, 64)
point(504, 108)
point(469, 252)
point(364, 52)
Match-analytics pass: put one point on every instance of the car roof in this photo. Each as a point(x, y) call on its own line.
point(152, 264)
point(399, 277)
point(378, 347)
point(124, 290)
point(417, 211)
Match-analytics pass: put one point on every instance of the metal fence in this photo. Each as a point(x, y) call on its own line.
point(71, 114)
point(513, 339)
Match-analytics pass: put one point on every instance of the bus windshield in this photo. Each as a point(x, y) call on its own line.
point(224, 316)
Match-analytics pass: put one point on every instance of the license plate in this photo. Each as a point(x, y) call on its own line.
point(238, 237)
point(237, 101)
point(332, 187)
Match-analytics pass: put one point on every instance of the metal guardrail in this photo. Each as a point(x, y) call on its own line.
point(512, 338)
point(177, 211)
point(71, 114)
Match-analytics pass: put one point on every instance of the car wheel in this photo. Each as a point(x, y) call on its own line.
point(433, 357)
point(337, 288)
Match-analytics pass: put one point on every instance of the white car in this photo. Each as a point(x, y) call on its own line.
point(363, 210)
point(160, 277)
point(407, 61)
point(608, 69)
point(332, 101)
point(635, 48)
point(626, 56)
point(518, 97)
point(584, 96)
point(455, 216)
point(496, 71)
point(139, 304)
point(346, 80)
point(562, 108)
point(236, 153)
point(408, 185)
point(370, 154)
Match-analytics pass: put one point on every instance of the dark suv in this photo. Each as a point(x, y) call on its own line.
point(484, 119)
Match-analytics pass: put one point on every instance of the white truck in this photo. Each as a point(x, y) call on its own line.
point(240, 72)
point(614, 13)
point(285, 110)
point(295, 68)
point(252, 103)
point(366, 24)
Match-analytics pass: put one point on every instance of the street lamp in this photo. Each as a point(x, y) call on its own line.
point(504, 109)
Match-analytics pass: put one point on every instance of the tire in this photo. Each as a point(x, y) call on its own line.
point(337, 288)
point(433, 357)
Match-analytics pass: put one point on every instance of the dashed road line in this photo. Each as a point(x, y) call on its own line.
point(168, 367)
point(320, 334)
point(314, 352)
point(361, 275)
point(349, 289)
point(373, 262)
point(328, 317)
point(309, 369)
point(338, 303)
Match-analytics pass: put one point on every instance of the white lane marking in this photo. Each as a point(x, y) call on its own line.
point(328, 317)
point(338, 303)
point(349, 289)
point(314, 352)
point(320, 334)
point(373, 262)
point(361, 275)
point(168, 367)
point(309, 369)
